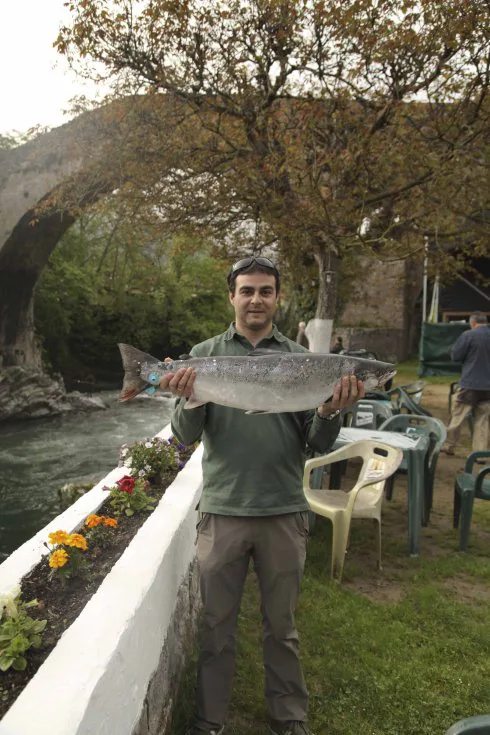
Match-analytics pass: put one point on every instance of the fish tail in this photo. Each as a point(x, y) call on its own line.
point(132, 359)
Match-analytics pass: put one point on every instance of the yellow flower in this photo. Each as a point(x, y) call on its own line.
point(58, 537)
point(93, 520)
point(77, 540)
point(112, 522)
point(58, 558)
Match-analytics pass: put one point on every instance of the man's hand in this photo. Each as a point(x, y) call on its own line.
point(180, 383)
point(346, 392)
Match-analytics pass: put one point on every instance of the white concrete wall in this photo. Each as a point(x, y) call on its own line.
point(95, 680)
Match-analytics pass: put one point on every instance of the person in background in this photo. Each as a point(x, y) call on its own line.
point(338, 346)
point(253, 508)
point(472, 349)
point(301, 337)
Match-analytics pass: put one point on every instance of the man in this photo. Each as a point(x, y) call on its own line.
point(338, 346)
point(301, 337)
point(472, 349)
point(253, 507)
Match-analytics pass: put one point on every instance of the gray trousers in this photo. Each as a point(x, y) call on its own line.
point(277, 546)
point(460, 410)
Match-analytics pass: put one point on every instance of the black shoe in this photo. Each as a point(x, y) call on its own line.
point(294, 727)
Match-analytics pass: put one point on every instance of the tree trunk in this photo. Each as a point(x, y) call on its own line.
point(328, 274)
point(319, 329)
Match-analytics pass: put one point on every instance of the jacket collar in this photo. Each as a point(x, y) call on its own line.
point(231, 332)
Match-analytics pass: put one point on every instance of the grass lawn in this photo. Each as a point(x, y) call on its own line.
point(402, 651)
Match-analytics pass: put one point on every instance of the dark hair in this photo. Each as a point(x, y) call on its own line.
point(253, 264)
point(479, 318)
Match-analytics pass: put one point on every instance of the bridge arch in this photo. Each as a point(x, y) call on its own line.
point(44, 185)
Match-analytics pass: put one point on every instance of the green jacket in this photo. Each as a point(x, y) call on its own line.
point(252, 464)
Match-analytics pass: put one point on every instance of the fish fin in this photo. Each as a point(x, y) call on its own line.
point(185, 357)
point(132, 381)
point(261, 351)
point(193, 403)
point(251, 413)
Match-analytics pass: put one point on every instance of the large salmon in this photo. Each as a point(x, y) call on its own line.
point(264, 381)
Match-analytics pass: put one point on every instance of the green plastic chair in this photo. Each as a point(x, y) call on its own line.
point(407, 423)
point(405, 404)
point(479, 725)
point(367, 414)
point(415, 389)
point(467, 487)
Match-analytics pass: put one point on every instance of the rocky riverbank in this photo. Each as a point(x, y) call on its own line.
point(29, 394)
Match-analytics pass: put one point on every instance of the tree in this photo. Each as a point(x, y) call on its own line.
point(108, 283)
point(328, 128)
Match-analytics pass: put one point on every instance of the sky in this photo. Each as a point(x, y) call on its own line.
point(35, 82)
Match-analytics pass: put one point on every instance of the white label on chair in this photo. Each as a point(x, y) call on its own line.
point(375, 469)
point(374, 474)
point(364, 417)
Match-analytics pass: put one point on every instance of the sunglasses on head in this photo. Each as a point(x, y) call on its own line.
point(245, 262)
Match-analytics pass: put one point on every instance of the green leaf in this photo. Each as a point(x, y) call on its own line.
point(19, 663)
point(6, 662)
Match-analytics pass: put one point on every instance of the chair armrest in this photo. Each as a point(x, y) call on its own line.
point(480, 724)
point(479, 479)
point(346, 452)
point(470, 461)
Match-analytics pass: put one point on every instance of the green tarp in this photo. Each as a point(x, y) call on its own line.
point(436, 342)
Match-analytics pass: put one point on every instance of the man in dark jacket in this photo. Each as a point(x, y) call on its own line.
point(472, 349)
point(253, 508)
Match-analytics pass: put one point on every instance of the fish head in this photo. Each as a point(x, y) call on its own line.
point(373, 373)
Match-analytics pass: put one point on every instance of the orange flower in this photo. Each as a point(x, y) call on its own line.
point(58, 537)
point(78, 541)
point(112, 522)
point(93, 520)
point(58, 559)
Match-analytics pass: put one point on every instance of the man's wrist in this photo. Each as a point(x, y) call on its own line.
point(327, 413)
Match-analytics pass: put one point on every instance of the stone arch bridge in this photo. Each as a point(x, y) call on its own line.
point(44, 186)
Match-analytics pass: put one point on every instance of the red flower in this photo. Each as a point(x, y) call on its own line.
point(126, 484)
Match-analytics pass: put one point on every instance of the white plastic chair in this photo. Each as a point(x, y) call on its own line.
point(379, 461)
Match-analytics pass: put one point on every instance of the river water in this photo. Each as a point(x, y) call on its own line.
point(38, 457)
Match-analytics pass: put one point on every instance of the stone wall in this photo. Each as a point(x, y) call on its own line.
point(156, 717)
point(388, 344)
point(378, 297)
point(379, 315)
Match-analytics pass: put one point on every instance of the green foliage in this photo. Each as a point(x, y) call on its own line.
point(149, 458)
point(131, 500)
point(18, 633)
point(109, 281)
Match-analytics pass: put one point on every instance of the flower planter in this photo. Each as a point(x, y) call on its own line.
point(116, 668)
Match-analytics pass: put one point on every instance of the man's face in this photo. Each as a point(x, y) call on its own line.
point(255, 300)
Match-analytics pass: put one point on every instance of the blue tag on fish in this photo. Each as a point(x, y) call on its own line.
point(151, 390)
point(153, 378)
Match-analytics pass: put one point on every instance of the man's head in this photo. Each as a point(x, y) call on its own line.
point(253, 264)
point(478, 319)
point(254, 293)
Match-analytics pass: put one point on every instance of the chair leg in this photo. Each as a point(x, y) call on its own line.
point(336, 471)
point(466, 514)
point(389, 487)
point(378, 521)
point(456, 507)
point(340, 537)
